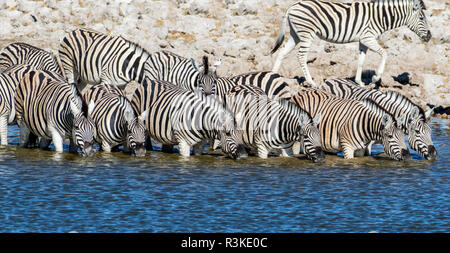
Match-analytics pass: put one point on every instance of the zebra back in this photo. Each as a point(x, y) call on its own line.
point(90, 57)
point(23, 53)
point(273, 84)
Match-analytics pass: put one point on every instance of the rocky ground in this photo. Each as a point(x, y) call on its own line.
point(241, 33)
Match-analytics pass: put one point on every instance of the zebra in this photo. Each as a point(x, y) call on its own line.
point(269, 124)
point(22, 53)
point(53, 109)
point(348, 22)
point(183, 72)
point(9, 80)
point(349, 126)
point(415, 125)
point(115, 120)
point(181, 117)
point(90, 57)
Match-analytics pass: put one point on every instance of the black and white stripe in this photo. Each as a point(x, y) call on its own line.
point(180, 117)
point(90, 57)
point(415, 124)
point(52, 109)
point(9, 80)
point(22, 53)
point(348, 22)
point(269, 124)
point(349, 126)
point(115, 120)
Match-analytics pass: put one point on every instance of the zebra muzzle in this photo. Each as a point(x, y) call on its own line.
point(87, 149)
point(427, 37)
point(406, 155)
point(432, 153)
point(140, 150)
point(319, 155)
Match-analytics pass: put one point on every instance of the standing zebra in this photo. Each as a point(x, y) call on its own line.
point(52, 109)
point(90, 57)
point(22, 53)
point(349, 125)
point(268, 124)
point(115, 120)
point(348, 22)
point(9, 80)
point(178, 116)
point(415, 125)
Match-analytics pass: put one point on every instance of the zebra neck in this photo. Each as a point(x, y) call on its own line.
point(393, 14)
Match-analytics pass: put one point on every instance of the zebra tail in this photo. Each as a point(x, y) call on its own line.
point(281, 35)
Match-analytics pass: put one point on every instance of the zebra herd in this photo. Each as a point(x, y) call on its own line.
point(78, 95)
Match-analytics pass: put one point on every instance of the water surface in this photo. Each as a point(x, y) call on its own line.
point(42, 191)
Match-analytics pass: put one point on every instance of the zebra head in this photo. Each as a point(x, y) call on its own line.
point(417, 21)
point(419, 134)
point(230, 135)
point(136, 133)
point(393, 138)
point(207, 79)
point(83, 128)
point(310, 137)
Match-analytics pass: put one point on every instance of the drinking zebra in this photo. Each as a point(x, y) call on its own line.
point(22, 53)
point(52, 109)
point(9, 80)
point(180, 117)
point(268, 124)
point(348, 22)
point(349, 126)
point(90, 57)
point(115, 120)
point(415, 125)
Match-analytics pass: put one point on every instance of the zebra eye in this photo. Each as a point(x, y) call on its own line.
point(390, 136)
point(417, 131)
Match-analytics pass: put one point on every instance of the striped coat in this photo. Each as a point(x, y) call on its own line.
point(52, 109)
point(115, 120)
point(415, 119)
point(269, 124)
point(180, 117)
point(349, 126)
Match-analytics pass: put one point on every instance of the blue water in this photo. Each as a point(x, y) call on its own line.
point(41, 191)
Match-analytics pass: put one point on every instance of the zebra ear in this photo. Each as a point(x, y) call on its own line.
point(128, 115)
point(317, 118)
point(91, 107)
point(385, 120)
point(194, 64)
point(428, 114)
point(414, 113)
point(217, 64)
point(401, 120)
point(74, 108)
point(143, 115)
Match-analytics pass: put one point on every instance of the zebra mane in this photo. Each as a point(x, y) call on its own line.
point(378, 109)
point(402, 100)
point(422, 4)
point(78, 99)
point(127, 104)
point(137, 48)
point(293, 108)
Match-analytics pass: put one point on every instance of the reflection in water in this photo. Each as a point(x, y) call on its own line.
point(45, 191)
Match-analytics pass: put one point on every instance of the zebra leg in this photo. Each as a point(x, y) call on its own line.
point(288, 47)
point(199, 147)
point(349, 151)
point(167, 149)
point(284, 152)
point(296, 148)
point(57, 140)
point(373, 45)
point(148, 144)
point(368, 150)
point(302, 57)
point(44, 143)
point(106, 147)
point(263, 152)
point(362, 57)
point(4, 130)
point(24, 134)
point(185, 149)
